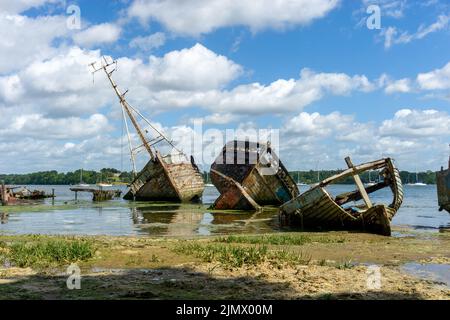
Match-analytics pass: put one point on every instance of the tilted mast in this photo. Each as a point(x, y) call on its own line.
point(164, 177)
point(125, 105)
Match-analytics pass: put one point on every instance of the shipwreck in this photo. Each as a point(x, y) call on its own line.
point(443, 188)
point(21, 195)
point(169, 177)
point(318, 209)
point(249, 176)
point(98, 194)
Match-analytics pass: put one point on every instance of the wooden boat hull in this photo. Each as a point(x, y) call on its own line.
point(161, 181)
point(317, 209)
point(443, 189)
point(239, 175)
point(9, 197)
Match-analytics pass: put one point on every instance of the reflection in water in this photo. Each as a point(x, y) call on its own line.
point(208, 219)
point(185, 222)
point(435, 272)
point(118, 217)
point(3, 217)
point(443, 229)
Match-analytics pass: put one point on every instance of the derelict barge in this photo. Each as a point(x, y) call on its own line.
point(172, 177)
point(249, 175)
point(21, 195)
point(316, 208)
point(443, 188)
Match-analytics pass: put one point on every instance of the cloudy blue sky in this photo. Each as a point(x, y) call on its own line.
point(311, 69)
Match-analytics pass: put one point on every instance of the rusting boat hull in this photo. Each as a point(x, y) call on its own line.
point(317, 209)
point(24, 196)
point(97, 194)
point(104, 195)
point(6, 195)
point(443, 188)
point(162, 181)
point(32, 195)
point(248, 176)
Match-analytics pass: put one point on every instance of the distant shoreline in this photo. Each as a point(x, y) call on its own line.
point(114, 176)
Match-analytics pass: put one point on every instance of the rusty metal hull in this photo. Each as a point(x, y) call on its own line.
point(6, 196)
point(240, 173)
point(162, 181)
point(317, 209)
point(443, 189)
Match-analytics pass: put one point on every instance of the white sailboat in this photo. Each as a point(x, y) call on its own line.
point(370, 183)
point(298, 180)
point(82, 184)
point(417, 184)
point(207, 179)
point(101, 184)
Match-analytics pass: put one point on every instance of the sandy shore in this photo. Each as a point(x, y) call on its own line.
point(333, 265)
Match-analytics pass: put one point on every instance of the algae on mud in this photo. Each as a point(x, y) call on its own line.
point(331, 266)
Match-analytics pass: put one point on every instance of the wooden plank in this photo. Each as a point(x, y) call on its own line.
point(244, 193)
point(356, 195)
point(4, 194)
point(356, 169)
point(359, 184)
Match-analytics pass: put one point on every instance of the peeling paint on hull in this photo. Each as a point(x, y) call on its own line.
point(317, 209)
point(240, 173)
point(443, 188)
point(162, 181)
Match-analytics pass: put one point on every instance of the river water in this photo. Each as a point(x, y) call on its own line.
point(118, 217)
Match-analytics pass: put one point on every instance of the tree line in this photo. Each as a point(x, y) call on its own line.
point(310, 177)
point(112, 175)
point(54, 177)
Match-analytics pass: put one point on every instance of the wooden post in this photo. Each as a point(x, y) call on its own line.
point(53, 196)
point(359, 184)
point(4, 194)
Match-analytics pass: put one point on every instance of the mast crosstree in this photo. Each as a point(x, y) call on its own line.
point(129, 110)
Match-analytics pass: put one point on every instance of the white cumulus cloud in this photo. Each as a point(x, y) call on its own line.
point(98, 34)
point(438, 79)
point(417, 123)
point(150, 42)
point(203, 16)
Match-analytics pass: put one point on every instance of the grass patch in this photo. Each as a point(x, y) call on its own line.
point(45, 253)
point(226, 255)
point(238, 256)
point(345, 265)
point(279, 239)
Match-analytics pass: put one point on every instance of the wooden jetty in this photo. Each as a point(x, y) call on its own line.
point(443, 188)
point(317, 209)
point(250, 175)
point(97, 194)
point(170, 177)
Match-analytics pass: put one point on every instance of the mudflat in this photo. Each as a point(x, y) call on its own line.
point(325, 265)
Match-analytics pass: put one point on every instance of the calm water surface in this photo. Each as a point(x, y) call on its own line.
point(118, 217)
